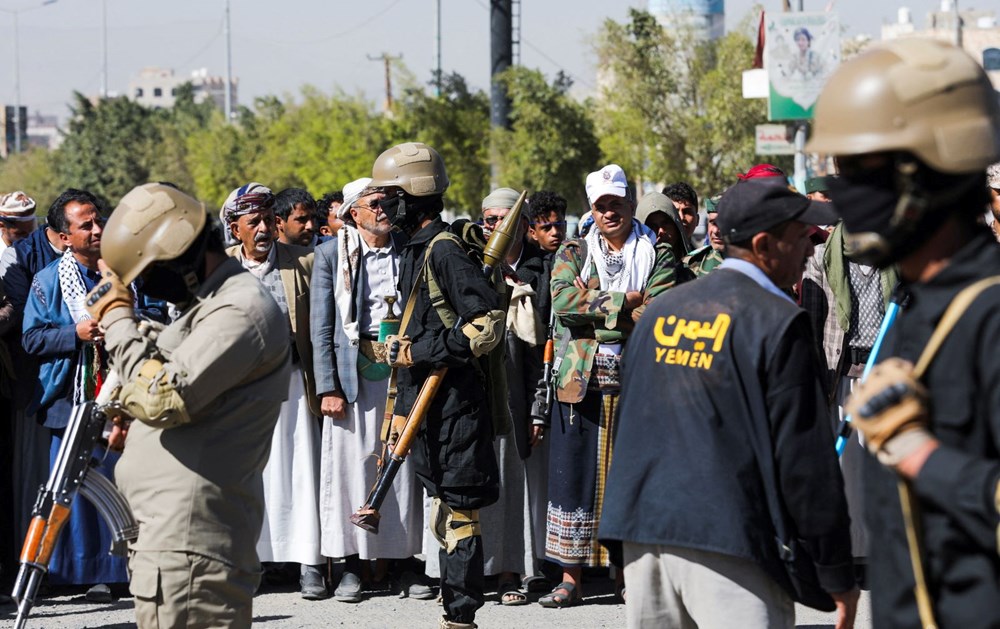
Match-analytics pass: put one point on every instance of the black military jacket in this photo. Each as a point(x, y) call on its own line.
point(957, 486)
point(470, 295)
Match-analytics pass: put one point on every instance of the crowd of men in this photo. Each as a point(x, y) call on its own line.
point(619, 397)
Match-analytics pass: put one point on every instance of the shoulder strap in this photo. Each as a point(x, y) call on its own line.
point(955, 310)
point(426, 273)
point(411, 302)
point(444, 310)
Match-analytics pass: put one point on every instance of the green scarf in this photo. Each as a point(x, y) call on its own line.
point(836, 276)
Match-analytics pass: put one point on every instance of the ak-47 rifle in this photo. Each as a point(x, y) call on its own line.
point(541, 408)
point(72, 474)
point(367, 517)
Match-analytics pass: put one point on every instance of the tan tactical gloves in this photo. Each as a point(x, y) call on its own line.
point(110, 293)
point(890, 408)
point(398, 351)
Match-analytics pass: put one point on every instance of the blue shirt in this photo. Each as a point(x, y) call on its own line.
point(756, 274)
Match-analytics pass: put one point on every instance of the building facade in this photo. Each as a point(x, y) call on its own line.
point(976, 29)
point(706, 19)
point(157, 88)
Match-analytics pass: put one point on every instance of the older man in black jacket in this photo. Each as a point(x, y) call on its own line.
point(723, 406)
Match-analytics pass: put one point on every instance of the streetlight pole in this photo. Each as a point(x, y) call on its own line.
point(17, 71)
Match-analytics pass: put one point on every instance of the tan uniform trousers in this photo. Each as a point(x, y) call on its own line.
point(177, 589)
point(680, 588)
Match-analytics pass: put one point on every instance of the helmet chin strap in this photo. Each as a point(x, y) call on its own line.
point(406, 212)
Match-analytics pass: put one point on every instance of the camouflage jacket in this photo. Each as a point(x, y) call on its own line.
point(593, 316)
point(703, 261)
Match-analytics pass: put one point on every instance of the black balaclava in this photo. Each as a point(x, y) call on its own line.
point(892, 210)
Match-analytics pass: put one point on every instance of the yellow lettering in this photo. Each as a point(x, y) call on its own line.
point(693, 331)
point(662, 337)
point(719, 329)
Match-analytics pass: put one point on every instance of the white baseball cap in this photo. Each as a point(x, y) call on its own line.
point(609, 180)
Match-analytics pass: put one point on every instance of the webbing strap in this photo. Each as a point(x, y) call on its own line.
point(411, 302)
point(955, 310)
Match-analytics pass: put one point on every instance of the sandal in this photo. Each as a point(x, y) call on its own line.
point(535, 584)
point(511, 595)
point(557, 599)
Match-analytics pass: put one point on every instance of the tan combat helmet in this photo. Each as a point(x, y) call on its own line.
point(412, 166)
point(922, 96)
point(152, 223)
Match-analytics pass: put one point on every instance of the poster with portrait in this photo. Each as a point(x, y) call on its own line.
point(801, 51)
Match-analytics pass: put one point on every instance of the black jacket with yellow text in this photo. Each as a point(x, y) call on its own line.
point(708, 362)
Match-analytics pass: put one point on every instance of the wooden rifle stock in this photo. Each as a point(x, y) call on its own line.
point(367, 517)
point(43, 533)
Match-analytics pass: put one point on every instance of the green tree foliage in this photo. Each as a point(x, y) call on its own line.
point(320, 144)
point(671, 108)
point(457, 125)
point(551, 143)
point(219, 156)
point(107, 146)
point(167, 158)
point(33, 172)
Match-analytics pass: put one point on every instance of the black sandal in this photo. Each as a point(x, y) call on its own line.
point(556, 598)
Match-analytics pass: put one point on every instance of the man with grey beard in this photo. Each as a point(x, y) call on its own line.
point(361, 269)
point(291, 518)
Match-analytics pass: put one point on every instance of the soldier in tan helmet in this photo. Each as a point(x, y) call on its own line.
point(205, 392)
point(913, 125)
point(454, 457)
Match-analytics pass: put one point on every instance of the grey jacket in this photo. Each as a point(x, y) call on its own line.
point(335, 355)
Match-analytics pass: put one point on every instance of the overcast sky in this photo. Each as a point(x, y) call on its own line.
point(279, 46)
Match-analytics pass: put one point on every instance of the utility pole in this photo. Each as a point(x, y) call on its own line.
point(229, 69)
point(801, 128)
point(387, 60)
point(501, 57)
point(437, 50)
point(104, 48)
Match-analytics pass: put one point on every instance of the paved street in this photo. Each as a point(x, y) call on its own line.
point(286, 610)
